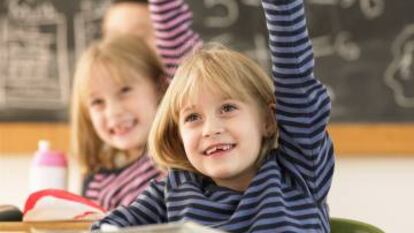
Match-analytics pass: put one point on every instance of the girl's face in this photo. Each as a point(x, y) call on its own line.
point(222, 137)
point(122, 114)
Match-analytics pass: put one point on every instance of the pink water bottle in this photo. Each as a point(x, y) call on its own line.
point(48, 169)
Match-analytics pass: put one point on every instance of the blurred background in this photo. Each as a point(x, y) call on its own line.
point(364, 53)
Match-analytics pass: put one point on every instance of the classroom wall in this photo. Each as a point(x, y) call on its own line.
point(377, 190)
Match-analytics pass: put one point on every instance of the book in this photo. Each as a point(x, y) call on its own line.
point(60, 205)
point(179, 227)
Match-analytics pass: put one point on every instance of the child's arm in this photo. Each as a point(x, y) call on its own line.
point(148, 208)
point(172, 21)
point(302, 102)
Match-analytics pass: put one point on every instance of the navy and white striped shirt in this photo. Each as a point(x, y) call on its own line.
point(289, 192)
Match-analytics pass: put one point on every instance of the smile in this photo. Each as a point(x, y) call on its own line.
point(218, 148)
point(123, 128)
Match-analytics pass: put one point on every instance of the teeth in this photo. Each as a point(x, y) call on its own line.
point(216, 148)
point(211, 150)
point(121, 128)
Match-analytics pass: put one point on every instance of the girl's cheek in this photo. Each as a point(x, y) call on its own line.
point(187, 138)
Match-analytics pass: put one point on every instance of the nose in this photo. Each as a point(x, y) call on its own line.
point(213, 126)
point(114, 109)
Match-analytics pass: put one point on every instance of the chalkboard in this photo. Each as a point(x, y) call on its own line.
point(364, 52)
point(39, 43)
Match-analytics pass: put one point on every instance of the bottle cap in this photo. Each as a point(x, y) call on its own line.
point(46, 157)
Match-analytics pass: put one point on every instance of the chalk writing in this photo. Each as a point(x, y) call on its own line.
point(400, 74)
point(364, 51)
point(35, 71)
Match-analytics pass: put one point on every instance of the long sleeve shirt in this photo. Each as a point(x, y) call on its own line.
point(174, 39)
point(116, 187)
point(289, 191)
point(174, 36)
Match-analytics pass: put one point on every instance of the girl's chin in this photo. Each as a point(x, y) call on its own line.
point(124, 146)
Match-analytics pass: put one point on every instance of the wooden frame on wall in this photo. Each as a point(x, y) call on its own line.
point(349, 139)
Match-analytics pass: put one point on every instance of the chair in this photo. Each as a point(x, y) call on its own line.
point(342, 225)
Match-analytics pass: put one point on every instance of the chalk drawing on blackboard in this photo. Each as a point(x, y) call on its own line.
point(370, 8)
point(260, 51)
point(339, 110)
point(231, 9)
point(36, 73)
point(346, 48)
point(340, 44)
point(331, 40)
point(87, 23)
point(224, 19)
point(399, 75)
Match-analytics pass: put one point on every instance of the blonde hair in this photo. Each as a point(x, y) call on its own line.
point(124, 57)
point(216, 67)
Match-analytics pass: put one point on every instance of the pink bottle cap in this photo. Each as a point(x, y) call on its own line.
point(46, 157)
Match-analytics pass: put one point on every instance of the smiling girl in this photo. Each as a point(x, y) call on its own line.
point(119, 82)
point(216, 132)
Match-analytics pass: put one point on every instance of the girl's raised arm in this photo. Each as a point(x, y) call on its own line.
point(172, 20)
point(302, 102)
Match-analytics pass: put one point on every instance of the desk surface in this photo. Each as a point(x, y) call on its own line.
point(55, 225)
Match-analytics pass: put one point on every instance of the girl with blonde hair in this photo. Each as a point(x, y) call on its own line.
point(119, 82)
point(215, 133)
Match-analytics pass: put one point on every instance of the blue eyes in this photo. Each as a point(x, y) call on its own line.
point(224, 110)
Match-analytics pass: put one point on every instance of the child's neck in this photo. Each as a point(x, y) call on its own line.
point(239, 183)
point(127, 157)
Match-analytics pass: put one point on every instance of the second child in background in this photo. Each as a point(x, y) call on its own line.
point(118, 85)
point(129, 17)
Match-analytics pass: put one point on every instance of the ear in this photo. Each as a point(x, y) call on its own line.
point(270, 125)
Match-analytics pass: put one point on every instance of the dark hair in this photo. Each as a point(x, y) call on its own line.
point(130, 1)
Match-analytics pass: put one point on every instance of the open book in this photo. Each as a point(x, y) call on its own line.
point(185, 227)
point(54, 211)
point(53, 205)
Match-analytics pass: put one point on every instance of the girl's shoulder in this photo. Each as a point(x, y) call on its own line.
point(177, 177)
point(139, 166)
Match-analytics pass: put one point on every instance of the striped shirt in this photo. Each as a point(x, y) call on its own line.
point(289, 192)
point(111, 188)
point(174, 39)
point(174, 36)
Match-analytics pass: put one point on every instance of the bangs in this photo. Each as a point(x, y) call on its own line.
point(118, 71)
point(220, 78)
point(102, 67)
